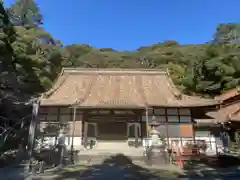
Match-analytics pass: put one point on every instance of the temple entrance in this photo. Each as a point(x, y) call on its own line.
point(133, 130)
point(134, 134)
point(115, 131)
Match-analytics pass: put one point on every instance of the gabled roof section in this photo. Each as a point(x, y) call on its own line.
point(229, 94)
point(115, 88)
point(229, 112)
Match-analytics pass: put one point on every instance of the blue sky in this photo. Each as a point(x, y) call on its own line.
point(129, 24)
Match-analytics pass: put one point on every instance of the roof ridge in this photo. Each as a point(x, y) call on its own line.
point(112, 70)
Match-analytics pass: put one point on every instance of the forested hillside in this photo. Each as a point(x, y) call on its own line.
point(31, 59)
point(34, 58)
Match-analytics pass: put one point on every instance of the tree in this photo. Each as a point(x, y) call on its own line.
point(30, 61)
point(25, 13)
point(9, 85)
point(218, 71)
point(7, 60)
point(226, 33)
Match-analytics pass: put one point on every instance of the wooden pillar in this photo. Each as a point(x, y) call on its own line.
point(73, 131)
point(85, 133)
point(96, 129)
point(179, 123)
point(141, 127)
point(147, 124)
point(136, 133)
point(58, 121)
point(84, 116)
point(193, 126)
point(166, 126)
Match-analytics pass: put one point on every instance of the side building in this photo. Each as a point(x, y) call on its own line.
point(228, 114)
point(117, 105)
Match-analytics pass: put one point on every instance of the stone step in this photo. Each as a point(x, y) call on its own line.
point(100, 158)
point(112, 145)
point(126, 151)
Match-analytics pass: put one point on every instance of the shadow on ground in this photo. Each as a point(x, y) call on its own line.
point(120, 167)
point(222, 167)
point(117, 167)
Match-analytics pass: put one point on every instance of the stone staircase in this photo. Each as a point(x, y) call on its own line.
point(112, 145)
point(104, 150)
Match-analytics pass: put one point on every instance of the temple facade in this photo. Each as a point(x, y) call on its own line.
point(117, 105)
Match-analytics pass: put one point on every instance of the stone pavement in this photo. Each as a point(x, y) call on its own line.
point(120, 167)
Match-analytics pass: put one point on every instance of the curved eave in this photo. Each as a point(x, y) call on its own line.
point(235, 116)
point(219, 117)
point(227, 113)
point(46, 102)
point(235, 119)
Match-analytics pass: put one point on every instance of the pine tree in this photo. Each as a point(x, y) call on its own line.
point(25, 13)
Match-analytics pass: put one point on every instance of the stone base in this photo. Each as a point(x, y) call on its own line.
point(157, 156)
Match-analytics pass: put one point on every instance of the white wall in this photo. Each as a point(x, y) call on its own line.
point(51, 141)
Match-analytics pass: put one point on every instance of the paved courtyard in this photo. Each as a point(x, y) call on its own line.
point(120, 167)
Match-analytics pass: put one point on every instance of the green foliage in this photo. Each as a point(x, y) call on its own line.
point(218, 70)
point(226, 33)
point(30, 61)
point(25, 13)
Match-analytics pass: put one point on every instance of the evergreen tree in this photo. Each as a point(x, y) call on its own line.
point(25, 13)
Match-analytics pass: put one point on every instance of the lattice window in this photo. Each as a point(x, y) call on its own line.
point(185, 119)
point(161, 119)
point(159, 112)
point(65, 110)
point(173, 119)
point(172, 111)
point(185, 112)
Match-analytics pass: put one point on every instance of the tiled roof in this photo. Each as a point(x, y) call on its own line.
point(230, 112)
point(229, 94)
point(118, 88)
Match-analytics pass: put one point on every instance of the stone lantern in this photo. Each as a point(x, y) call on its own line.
point(157, 149)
